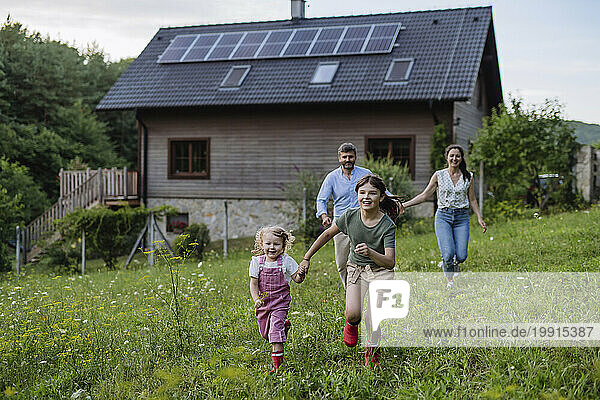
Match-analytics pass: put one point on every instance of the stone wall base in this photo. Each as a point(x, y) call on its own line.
point(245, 216)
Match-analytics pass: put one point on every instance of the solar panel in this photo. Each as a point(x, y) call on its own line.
point(177, 48)
point(353, 39)
point(183, 41)
point(382, 38)
point(301, 42)
point(326, 41)
point(201, 47)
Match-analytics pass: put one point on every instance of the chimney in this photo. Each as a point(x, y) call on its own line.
point(297, 9)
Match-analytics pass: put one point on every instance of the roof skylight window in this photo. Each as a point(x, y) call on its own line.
point(399, 70)
point(324, 73)
point(235, 76)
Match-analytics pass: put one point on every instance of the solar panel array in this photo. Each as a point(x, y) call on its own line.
point(304, 42)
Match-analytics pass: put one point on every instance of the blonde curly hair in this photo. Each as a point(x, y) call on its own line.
point(279, 232)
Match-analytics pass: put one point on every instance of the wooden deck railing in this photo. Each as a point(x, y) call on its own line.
point(81, 189)
point(116, 183)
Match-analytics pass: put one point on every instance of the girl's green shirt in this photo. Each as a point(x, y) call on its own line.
point(378, 238)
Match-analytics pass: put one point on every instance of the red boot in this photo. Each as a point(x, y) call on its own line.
point(277, 357)
point(350, 334)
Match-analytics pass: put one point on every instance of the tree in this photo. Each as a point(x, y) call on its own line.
point(439, 141)
point(517, 145)
point(40, 149)
point(11, 213)
point(19, 183)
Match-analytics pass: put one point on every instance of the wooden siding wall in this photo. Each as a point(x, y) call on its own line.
point(470, 113)
point(254, 152)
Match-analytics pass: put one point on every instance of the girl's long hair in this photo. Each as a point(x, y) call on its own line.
point(387, 205)
point(463, 163)
point(286, 237)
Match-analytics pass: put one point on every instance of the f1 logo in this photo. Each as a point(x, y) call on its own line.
point(388, 299)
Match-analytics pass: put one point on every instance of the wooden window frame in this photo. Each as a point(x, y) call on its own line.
point(411, 157)
point(187, 175)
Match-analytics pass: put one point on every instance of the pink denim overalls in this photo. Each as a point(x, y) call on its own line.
point(275, 293)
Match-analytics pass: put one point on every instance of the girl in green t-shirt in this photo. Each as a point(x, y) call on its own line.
point(372, 235)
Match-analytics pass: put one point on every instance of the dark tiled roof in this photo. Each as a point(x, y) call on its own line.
point(447, 46)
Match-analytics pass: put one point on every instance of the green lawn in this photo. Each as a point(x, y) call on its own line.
point(113, 335)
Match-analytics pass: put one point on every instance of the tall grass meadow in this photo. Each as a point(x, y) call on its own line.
point(184, 329)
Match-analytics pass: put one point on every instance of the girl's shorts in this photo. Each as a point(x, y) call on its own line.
point(363, 274)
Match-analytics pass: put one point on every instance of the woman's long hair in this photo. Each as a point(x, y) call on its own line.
point(463, 163)
point(387, 205)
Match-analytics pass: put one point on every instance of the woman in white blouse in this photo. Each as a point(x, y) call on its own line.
point(455, 194)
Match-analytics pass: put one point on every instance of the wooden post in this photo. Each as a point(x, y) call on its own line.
point(100, 186)
point(125, 183)
point(61, 183)
point(225, 250)
point(18, 262)
point(83, 252)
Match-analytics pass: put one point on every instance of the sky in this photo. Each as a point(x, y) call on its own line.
point(548, 49)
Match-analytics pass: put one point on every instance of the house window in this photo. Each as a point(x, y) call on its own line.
point(399, 149)
point(324, 73)
point(399, 70)
point(189, 158)
point(236, 76)
point(177, 223)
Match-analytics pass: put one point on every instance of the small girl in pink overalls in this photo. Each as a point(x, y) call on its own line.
point(270, 273)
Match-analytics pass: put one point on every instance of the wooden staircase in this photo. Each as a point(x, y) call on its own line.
point(81, 189)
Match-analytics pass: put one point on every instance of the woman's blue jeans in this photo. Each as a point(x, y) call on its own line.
point(452, 231)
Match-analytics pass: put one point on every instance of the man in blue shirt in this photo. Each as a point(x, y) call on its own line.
point(340, 183)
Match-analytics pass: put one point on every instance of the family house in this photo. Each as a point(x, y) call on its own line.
point(232, 111)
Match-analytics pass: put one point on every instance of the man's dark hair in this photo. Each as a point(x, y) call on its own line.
point(347, 148)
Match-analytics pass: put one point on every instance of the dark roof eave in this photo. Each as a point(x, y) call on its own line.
point(275, 104)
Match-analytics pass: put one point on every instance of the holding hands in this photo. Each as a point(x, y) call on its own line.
point(303, 267)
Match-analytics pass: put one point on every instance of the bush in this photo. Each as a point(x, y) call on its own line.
point(504, 210)
point(400, 183)
point(192, 242)
point(5, 259)
point(439, 141)
point(294, 194)
point(11, 213)
point(109, 234)
point(518, 146)
point(61, 256)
